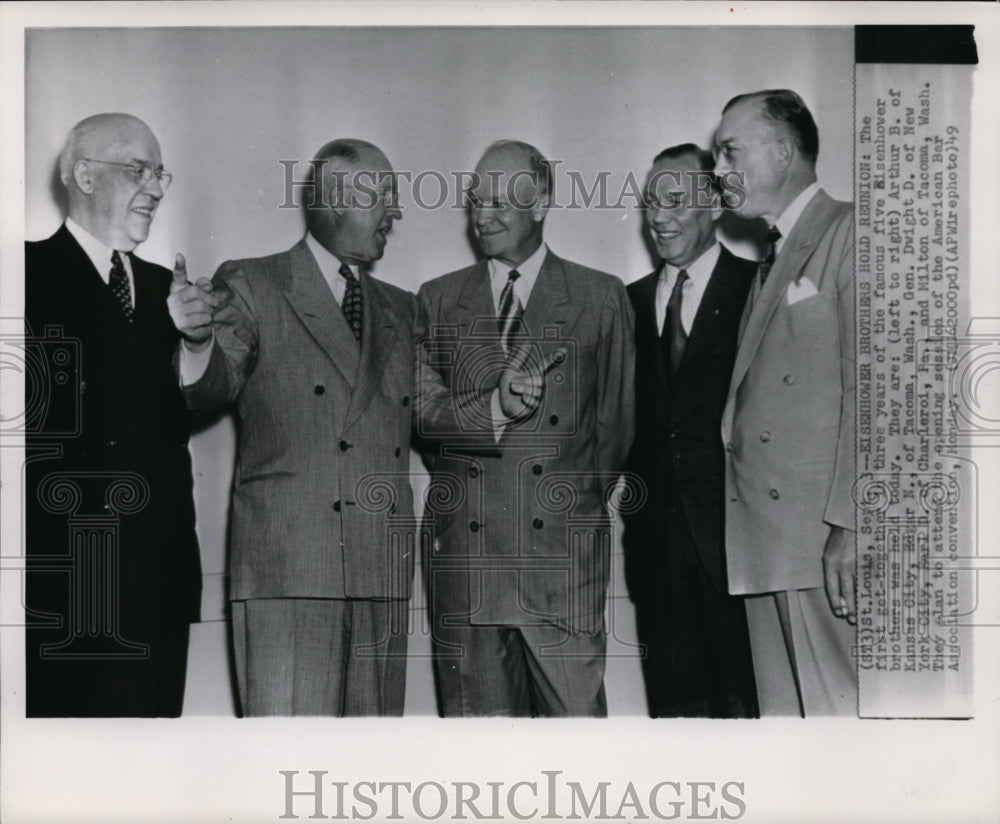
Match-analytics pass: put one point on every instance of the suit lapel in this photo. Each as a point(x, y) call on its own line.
point(311, 299)
point(549, 303)
point(381, 328)
point(792, 258)
point(712, 310)
point(646, 326)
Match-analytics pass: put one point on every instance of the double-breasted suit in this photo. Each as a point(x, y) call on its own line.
point(789, 424)
point(115, 573)
point(522, 534)
point(697, 650)
point(321, 477)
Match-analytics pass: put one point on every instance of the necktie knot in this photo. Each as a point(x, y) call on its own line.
point(514, 275)
point(353, 302)
point(119, 285)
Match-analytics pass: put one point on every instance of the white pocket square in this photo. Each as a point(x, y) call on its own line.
point(800, 290)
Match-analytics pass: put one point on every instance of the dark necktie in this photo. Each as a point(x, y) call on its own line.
point(120, 288)
point(673, 338)
point(773, 236)
point(353, 303)
point(510, 310)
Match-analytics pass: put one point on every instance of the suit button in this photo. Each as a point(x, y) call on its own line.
point(336, 506)
point(406, 400)
point(112, 444)
point(730, 448)
point(320, 389)
point(537, 523)
point(765, 436)
point(554, 420)
point(774, 494)
point(474, 526)
point(473, 472)
point(398, 450)
point(673, 434)
point(789, 380)
point(344, 446)
point(537, 469)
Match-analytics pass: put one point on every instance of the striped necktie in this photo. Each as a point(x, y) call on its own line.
point(510, 310)
point(773, 236)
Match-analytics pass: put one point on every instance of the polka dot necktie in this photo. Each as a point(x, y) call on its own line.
point(353, 303)
point(510, 310)
point(773, 236)
point(120, 288)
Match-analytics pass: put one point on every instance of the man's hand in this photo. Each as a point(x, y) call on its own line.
point(838, 573)
point(522, 383)
point(192, 305)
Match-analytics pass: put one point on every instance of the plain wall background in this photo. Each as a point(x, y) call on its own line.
point(227, 105)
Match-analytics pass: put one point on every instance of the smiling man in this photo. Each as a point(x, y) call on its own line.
point(115, 578)
point(316, 357)
point(518, 579)
point(697, 660)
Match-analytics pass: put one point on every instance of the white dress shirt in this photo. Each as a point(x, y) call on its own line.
point(699, 273)
point(499, 274)
point(100, 255)
point(788, 218)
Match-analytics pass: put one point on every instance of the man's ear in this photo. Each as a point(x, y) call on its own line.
point(83, 176)
point(540, 208)
point(784, 152)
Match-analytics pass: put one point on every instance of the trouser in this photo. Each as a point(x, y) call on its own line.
point(318, 656)
point(520, 671)
point(802, 654)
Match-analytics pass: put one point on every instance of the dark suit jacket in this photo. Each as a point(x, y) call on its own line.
point(323, 457)
point(522, 530)
point(111, 402)
point(678, 451)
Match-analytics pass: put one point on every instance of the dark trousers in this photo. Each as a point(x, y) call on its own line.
point(698, 661)
point(150, 686)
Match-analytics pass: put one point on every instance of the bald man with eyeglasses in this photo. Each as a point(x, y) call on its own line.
point(114, 571)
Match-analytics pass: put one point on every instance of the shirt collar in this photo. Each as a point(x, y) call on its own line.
point(528, 270)
point(788, 218)
point(329, 264)
point(699, 270)
point(97, 251)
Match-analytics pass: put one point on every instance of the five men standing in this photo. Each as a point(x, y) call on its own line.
point(525, 377)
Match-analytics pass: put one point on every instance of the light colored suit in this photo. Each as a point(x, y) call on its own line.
point(525, 539)
point(324, 432)
point(788, 424)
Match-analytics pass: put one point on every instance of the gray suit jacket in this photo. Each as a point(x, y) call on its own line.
point(323, 458)
point(522, 532)
point(788, 424)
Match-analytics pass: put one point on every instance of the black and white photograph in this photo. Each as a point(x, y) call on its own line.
point(372, 366)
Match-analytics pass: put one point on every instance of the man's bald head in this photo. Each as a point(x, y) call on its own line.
point(104, 165)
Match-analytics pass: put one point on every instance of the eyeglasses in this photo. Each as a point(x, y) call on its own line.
point(142, 173)
point(474, 203)
point(729, 151)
